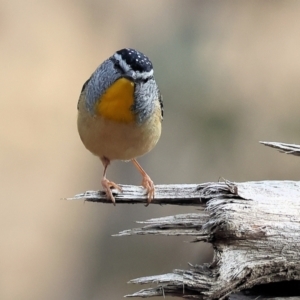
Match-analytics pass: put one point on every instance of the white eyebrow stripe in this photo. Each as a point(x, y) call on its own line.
point(122, 62)
point(127, 67)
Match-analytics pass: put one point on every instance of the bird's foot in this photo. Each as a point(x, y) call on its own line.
point(107, 186)
point(148, 184)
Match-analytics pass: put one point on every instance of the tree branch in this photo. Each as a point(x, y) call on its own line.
point(284, 148)
point(254, 228)
point(173, 194)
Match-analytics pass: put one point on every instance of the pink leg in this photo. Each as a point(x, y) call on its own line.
point(107, 184)
point(147, 183)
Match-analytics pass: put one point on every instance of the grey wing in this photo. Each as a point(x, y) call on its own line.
point(82, 90)
point(161, 103)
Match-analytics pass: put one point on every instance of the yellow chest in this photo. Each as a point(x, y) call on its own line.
point(115, 104)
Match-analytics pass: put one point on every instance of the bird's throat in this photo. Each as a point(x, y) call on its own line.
point(115, 104)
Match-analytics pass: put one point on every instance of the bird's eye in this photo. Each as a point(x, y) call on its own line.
point(117, 65)
point(143, 79)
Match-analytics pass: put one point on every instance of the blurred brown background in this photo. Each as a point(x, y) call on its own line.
point(229, 72)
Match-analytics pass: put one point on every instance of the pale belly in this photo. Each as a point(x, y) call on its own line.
point(118, 141)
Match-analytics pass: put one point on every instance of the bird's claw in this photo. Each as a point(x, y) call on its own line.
point(107, 186)
point(148, 184)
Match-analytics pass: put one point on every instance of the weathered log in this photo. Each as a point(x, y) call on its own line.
point(254, 228)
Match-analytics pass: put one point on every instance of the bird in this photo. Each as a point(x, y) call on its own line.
point(120, 112)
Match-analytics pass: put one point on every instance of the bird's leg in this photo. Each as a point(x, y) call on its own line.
point(107, 184)
point(147, 183)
